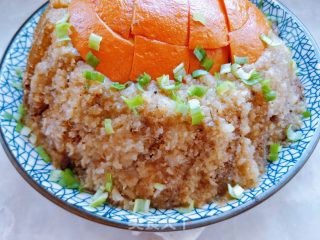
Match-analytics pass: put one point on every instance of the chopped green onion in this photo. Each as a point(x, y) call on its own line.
point(16, 85)
point(207, 63)
point(224, 86)
point(179, 72)
point(260, 4)
point(199, 17)
point(292, 135)
point(235, 67)
point(268, 92)
point(250, 78)
point(164, 83)
point(19, 72)
point(241, 60)
point(200, 53)
point(134, 102)
point(182, 108)
point(87, 85)
point(217, 75)
point(19, 127)
point(295, 67)
point(43, 154)
point(68, 180)
point(20, 114)
point(108, 126)
point(94, 41)
point(109, 182)
point(33, 139)
point(197, 90)
point(99, 197)
point(62, 28)
point(119, 86)
point(159, 186)
point(306, 114)
point(142, 80)
point(195, 111)
point(80, 189)
point(199, 73)
point(274, 152)
point(25, 131)
point(141, 205)
point(225, 68)
point(92, 59)
point(236, 191)
point(55, 175)
point(93, 76)
point(269, 41)
point(187, 209)
point(7, 116)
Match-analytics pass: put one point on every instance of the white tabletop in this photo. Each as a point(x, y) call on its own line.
point(292, 213)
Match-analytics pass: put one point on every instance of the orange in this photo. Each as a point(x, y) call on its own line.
point(237, 12)
point(116, 53)
point(157, 58)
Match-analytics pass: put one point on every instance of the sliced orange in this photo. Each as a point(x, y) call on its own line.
point(246, 42)
point(212, 34)
point(162, 20)
point(237, 12)
point(117, 14)
point(219, 55)
point(157, 58)
point(116, 53)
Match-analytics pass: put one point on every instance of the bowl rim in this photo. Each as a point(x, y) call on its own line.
point(174, 226)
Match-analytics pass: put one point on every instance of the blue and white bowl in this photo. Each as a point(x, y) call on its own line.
point(36, 172)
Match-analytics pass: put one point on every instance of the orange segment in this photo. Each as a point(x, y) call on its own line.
point(116, 53)
point(237, 12)
point(214, 34)
point(117, 14)
point(157, 58)
point(162, 20)
point(219, 55)
point(246, 42)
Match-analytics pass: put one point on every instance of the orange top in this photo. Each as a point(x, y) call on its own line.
point(115, 53)
point(214, 34)
point(154, 36)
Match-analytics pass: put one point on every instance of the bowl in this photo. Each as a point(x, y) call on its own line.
point(36, 172)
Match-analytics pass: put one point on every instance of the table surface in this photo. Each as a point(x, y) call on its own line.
point(292, 213)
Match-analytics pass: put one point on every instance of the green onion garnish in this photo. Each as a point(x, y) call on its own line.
point(236, 191)
point(33, 138)
point(7, 116)
point(269, 41)
point(68, 180)
point(141, 205)
point(200, 53)
point(306, 114)
point(225, 68)
point(108, 126)
point(99, 197)
point(182, 108)
point(217, 75)
point(142, 80)
point(292, 135)
point(260, 4)
point(119, 86)
point(87, 85)
point(197, 90)
point(250, 78)
point(94, 42)
point(16, 85)
point(133, 103)
point(159, 186)
point(25, 131)
point(20, 114)
point(268, 92)
point(55, 175)
point(19, 127)
point(207, 63)
point(164, 83)
point(43, 154)
point(295, 67)
point(19, 72)
point(195, 111)
point(93, 76)
point(199, 17)
point(62, 28)
point(235, 67)
point(179, 72)
point(109, 182)
point(92, 59)
point(187, 209)
point(274, 152)
point(241, 60)
point(224, 86)
point(199, 73)
point(81, 188)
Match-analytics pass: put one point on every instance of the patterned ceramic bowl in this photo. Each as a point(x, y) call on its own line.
point(36, 172)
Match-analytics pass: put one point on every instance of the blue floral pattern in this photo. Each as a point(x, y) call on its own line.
point(291, 158)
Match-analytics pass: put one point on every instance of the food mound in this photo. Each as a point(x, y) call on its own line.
point(168, 102)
